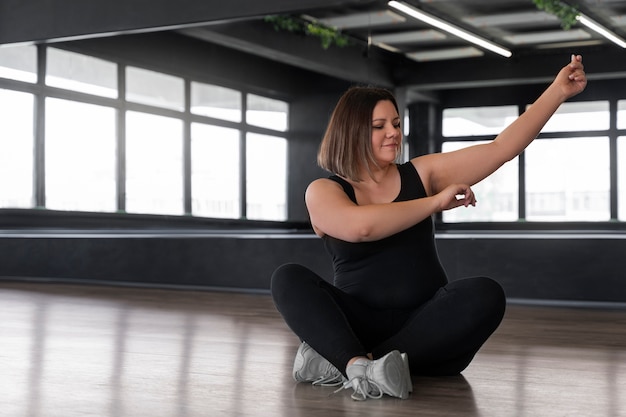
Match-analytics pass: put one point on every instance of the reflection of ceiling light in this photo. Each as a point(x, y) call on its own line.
point(601, 30)
point(388, 47)
point(445, 26)
point(510, 19)
point(552, 36)
point(363, 20)
point(409, 37)
point(441, 54)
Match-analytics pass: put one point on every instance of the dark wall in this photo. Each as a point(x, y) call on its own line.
point(570, 269)
point(212, 260)
point(309, 115)
point(583, 268)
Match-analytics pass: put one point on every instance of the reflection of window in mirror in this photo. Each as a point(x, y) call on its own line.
point(497, 195)
point(476, 121)
point(82, 171)
point(81, 156)
point(267, 112)
point(215, 171)
point(568, 179)
point(621, 114)
point(579, 117)
point(83, 73)
point(16, 149)
point(215, 101)
point(154, 164)
point(155, 89)
point(19, 63)
point(266, 177)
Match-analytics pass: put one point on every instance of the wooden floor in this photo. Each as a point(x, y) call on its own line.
point(108, 351)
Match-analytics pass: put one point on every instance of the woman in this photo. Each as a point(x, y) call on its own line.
point(390, 293)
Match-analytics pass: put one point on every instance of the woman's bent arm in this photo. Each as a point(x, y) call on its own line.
point(333, 213)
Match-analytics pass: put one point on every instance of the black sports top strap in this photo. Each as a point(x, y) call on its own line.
point(347, 187)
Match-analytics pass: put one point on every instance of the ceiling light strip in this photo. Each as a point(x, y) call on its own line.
point(445, 26)
point(601, 30)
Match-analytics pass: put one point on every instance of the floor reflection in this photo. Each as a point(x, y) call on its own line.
point(97, 351)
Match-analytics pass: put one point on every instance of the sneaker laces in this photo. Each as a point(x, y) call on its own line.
point(331, 378)
point(363, 388)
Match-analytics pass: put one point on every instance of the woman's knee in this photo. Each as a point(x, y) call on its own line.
point(494, 293)
point(288, 277)
point(488, 294)
point(492, 299)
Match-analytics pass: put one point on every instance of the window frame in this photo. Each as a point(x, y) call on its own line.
point(41, 91)
point(612, 96)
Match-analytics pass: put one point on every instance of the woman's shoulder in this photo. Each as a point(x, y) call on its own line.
point(326, 183)
point(321, 187)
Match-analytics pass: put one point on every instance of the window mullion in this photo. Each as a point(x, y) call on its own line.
point(613, 167)
point(242, 158)
point(121, 139)
point(39, 131)
point(187, 150)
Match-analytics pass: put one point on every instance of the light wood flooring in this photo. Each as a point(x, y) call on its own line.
point(71, 350)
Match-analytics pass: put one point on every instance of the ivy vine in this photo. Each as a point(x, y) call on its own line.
point(328, 36)
point(566, 13)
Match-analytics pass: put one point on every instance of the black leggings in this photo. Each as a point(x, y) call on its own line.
point(440, 337)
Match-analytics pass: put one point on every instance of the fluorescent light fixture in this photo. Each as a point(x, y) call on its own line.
point(443, 54)
point(415, 36)
point(601, 30)
point(549, 37)
point(447, 27)
point(363, 20)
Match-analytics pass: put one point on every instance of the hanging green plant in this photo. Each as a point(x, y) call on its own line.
point(566, 13)
point(328, 36)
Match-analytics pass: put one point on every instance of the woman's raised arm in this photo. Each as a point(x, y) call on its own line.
point(473, 164)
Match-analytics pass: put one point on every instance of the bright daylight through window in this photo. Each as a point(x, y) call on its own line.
point(185, 155)
point(566, 178)
point(16, 149)
point(81, 141)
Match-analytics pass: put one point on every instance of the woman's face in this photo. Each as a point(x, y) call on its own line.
point(386, 132)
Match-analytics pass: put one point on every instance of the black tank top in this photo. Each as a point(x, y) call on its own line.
point(399, 271)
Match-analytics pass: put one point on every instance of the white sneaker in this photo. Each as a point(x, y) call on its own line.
point(405, 359)
point(372, 378)
point(310, 366)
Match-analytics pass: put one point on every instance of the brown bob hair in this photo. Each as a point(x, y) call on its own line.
point(347, 143)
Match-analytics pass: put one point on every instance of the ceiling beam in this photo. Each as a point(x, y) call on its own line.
point(601, 63)
point(38, 21)
point(356, 63)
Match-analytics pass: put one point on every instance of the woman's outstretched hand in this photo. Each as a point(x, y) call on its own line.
point(456, 195)
point(572, 79)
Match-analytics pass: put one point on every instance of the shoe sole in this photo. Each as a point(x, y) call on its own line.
point(298, 362)
point(409, 382)
point(396, 375)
